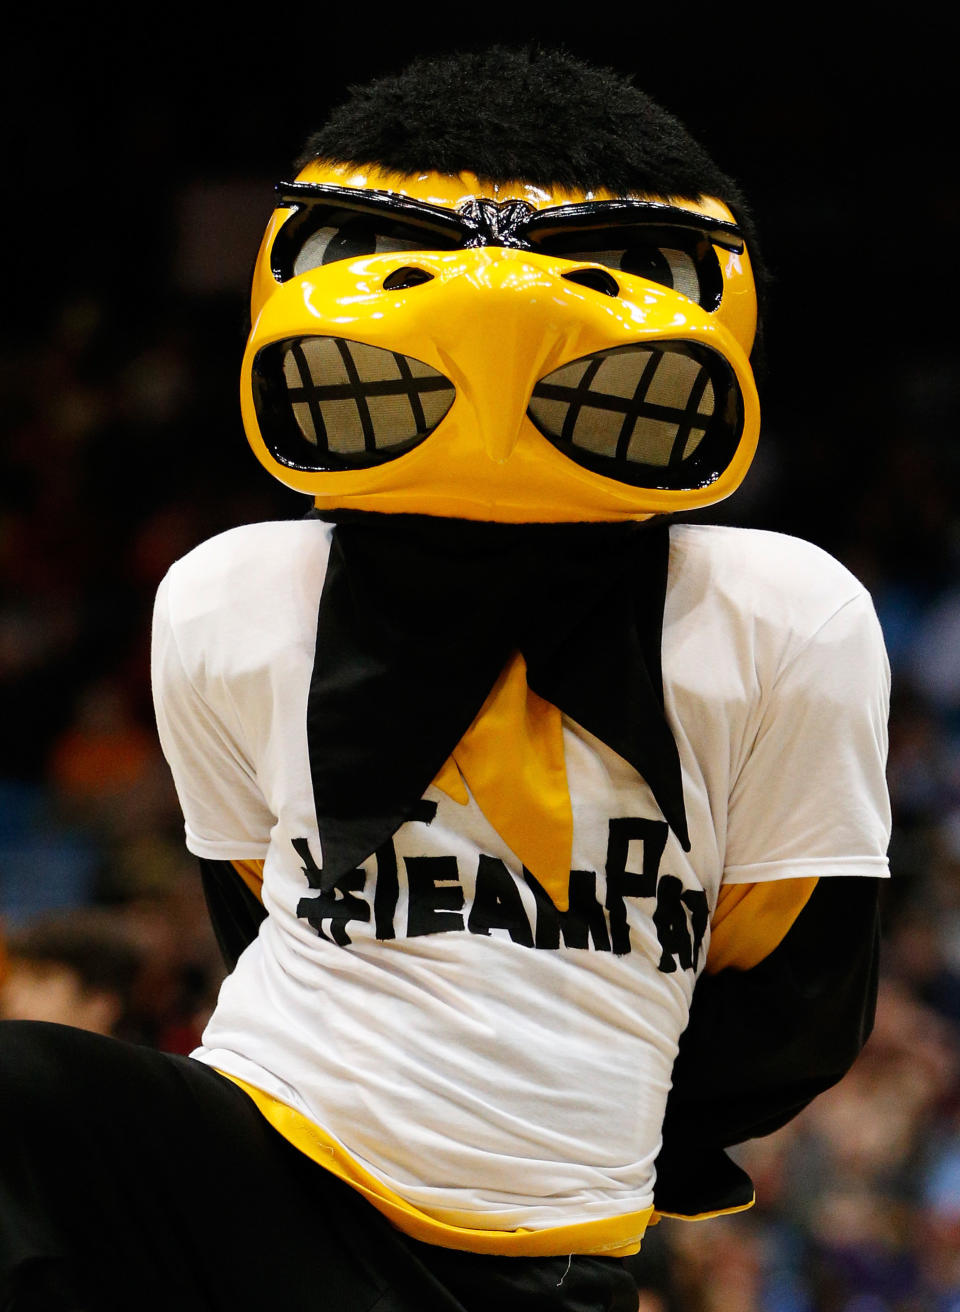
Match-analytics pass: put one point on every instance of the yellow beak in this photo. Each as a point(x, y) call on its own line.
point(495, 322)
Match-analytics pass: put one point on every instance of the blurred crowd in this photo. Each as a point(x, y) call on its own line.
point(123, 450)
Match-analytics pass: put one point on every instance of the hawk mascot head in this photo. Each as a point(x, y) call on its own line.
point(502, 321)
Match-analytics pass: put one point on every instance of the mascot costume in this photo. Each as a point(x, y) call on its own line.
point(542, 831)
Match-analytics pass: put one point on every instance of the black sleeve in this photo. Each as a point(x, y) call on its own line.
point(235, 913)
point(762, 1043)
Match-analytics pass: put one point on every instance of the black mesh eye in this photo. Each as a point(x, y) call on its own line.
point(670, 268)
point(318, 235)
point(328, 403)
point(355, 238)
point(648, 262)
point(686, 263)
point(350, 240)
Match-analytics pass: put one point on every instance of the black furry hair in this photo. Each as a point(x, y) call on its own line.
point(532, 115)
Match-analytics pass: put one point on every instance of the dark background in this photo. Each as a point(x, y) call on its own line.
point(143, 146)
point(140, 151)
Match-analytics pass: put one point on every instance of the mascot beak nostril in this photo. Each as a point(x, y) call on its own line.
point(597, 279)
point(409, 275)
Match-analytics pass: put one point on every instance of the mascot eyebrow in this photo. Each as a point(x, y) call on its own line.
point(511, 223)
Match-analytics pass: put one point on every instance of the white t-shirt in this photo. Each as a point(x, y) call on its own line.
point(493, 1063)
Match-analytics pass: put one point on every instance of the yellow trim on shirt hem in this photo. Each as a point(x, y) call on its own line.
point(616, 1236)
point(702, 1216)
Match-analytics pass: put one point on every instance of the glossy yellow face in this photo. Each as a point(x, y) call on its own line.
point(438, 345)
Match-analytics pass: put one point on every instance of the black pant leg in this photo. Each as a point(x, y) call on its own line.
point(136, 1181)
point(154, 1183)
point(576, 1283)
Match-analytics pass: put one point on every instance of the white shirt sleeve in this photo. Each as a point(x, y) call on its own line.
point(226, 816)
point(810, 799)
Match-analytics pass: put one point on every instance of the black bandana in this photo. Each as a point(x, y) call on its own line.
point(418, 617)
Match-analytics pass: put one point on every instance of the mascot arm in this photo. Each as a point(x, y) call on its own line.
point(767, 1035)
point(233, 890)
